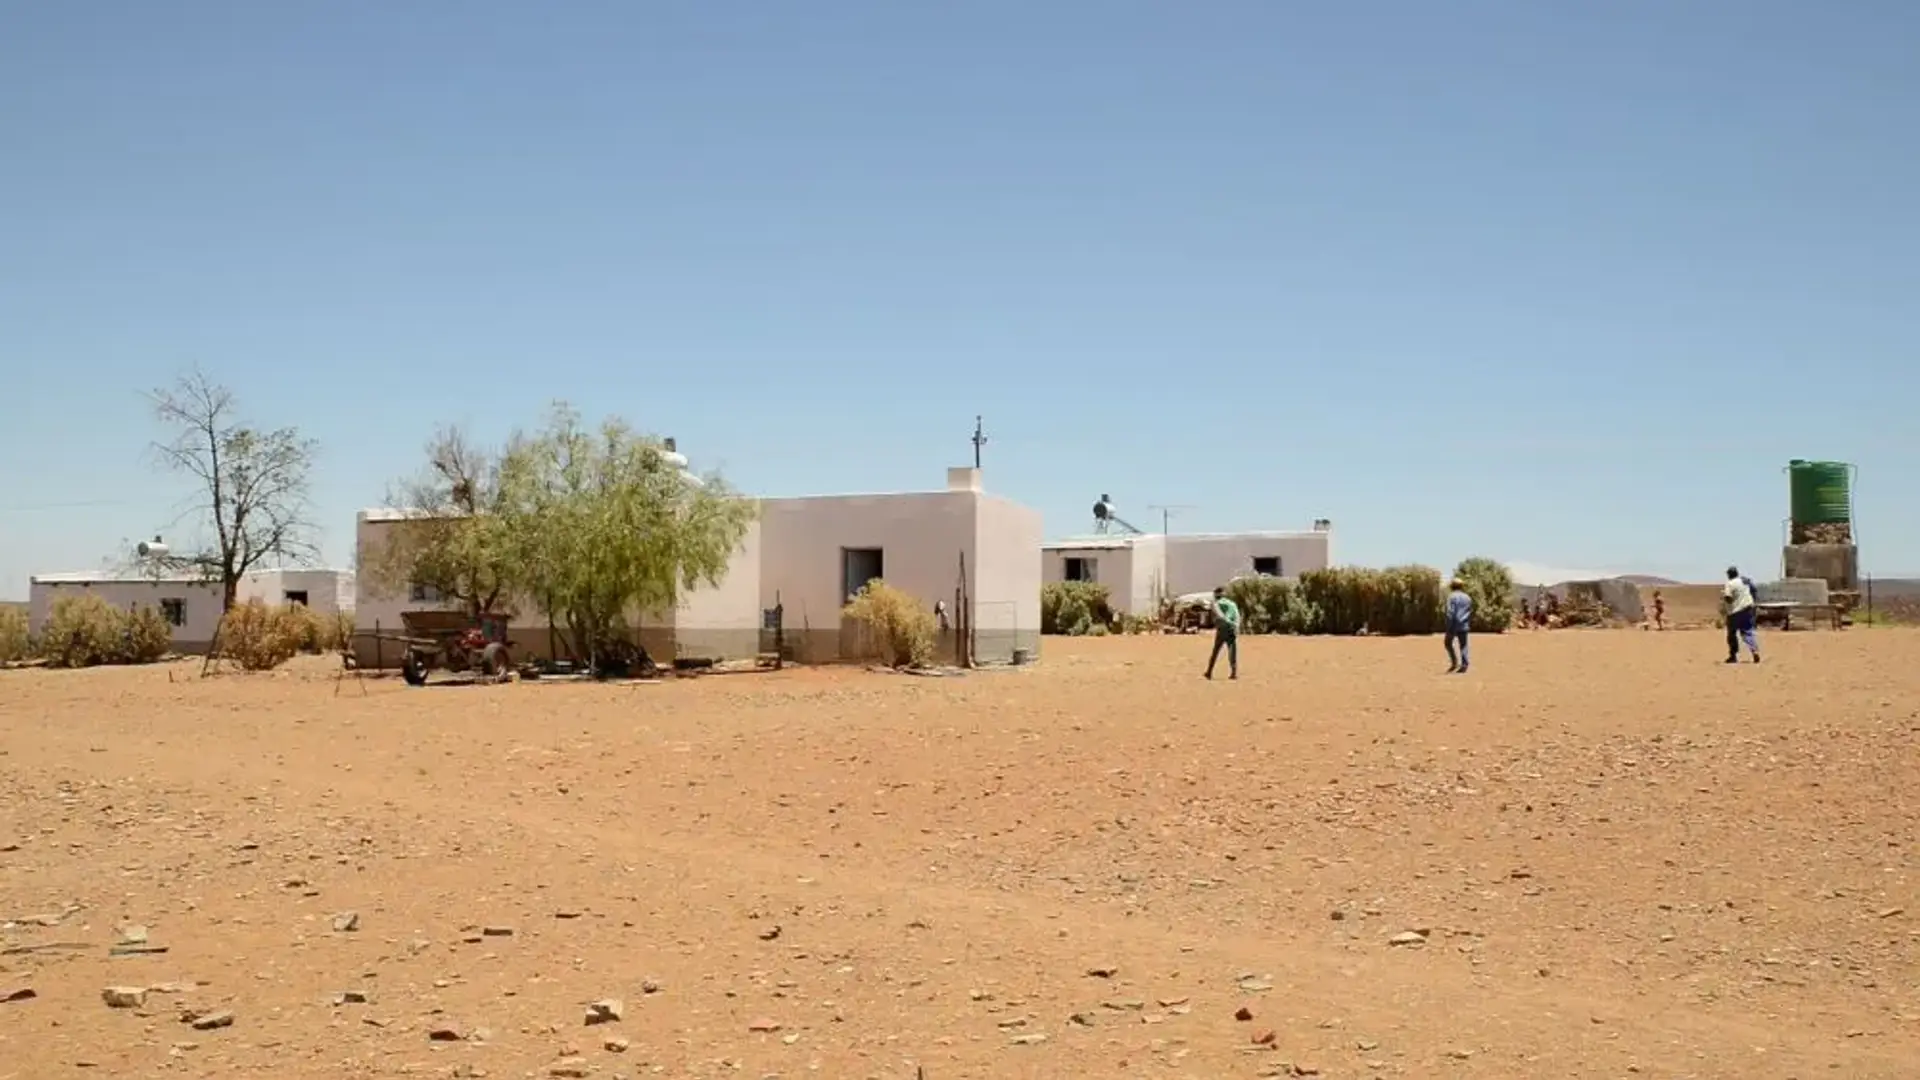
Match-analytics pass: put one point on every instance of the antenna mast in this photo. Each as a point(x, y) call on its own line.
point(1167, 510)
point(979, 440)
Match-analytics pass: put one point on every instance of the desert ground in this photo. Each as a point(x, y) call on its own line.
point(1600, 854)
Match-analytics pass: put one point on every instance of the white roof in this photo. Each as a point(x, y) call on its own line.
point(116, 577)
point(1097, 543)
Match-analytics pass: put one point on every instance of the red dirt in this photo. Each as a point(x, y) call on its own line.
point(1616, 854)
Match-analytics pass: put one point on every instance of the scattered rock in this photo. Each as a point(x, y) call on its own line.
point(346, 922)
point(1408, 937)
point(648, 986)
point(616, 1045)
point(1031, 1038)
point(211, 1021)
point(1243, 1014)
point(16, 993)
point(1337, 915)
point(1265, 1037)
point(770, 933)
point(124, 997)
point(350, 997)
point(1171, 1002)
point(567, 914)
point(444, 1033)
point(1366, 1045)
point(134, 934)
point(497, 931)
point(570, 1067)
point(1103, 971)
point(1082, 1018)
point(605, 1011)
point(764, 1025)
point(1888, 913)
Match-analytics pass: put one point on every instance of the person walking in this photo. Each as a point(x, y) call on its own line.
point(1738, 604)
point(1226, 633)
point(1459, 618)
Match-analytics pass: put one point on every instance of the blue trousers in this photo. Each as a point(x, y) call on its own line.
point(1456, 661)
point(1740, 630)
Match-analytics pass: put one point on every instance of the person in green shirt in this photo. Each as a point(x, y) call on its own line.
point(1226, 633)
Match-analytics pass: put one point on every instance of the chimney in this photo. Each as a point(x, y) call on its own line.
point(963, 478)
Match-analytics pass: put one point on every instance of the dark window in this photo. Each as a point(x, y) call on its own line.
point(1082, 569)
point(174, 611)
point(1267, 564)
point(859, 566)
point(426, 594)
point(297, 596)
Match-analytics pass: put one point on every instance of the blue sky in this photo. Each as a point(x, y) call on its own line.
point(1559, 283)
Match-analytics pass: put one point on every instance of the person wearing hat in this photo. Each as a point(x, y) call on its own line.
point(1459, 618)
point(1738, 604)
point(1226, 633)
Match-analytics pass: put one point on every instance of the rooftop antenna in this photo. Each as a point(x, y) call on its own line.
point(1167, 511)
point(979, 440)
point(1104, 519)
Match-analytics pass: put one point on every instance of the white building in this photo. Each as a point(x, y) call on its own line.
point(1140, 571)
point(806, 554)
point(190, 604)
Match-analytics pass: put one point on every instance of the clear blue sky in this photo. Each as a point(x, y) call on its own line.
point(1554, 282)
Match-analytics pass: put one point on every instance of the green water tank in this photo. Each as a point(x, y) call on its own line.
point(1820, 492)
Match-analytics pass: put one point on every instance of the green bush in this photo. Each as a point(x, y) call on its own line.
point(15, 644)
point(86, 631)
point(900, 629)
point(1074, 607)
point(1490, 584)
point(1349, 599)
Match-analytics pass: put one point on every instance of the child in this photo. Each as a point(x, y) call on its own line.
point(1226, 633)
point(1659, 611)
point(1459, 618)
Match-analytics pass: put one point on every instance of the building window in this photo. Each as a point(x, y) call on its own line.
point(424, 594)
point(174, 611)
point(1266, 565)
point(297, 596)
point(1082, 569)
point(859, 566)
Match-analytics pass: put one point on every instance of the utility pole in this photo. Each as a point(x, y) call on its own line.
point(979, 440)
point(1167, 510)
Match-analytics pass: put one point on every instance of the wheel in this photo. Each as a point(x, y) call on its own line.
point(413, 669)
point(494, 661)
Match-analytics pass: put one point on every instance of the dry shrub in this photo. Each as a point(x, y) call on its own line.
point(85, 631)
point(261, 638)
point(147, 636)
point(15, 643)
point(1271, 605)
point(899, 627)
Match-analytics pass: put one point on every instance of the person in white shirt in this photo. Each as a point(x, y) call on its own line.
point(1737, 603)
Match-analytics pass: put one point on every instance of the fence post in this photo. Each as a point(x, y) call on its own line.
point(379, 658)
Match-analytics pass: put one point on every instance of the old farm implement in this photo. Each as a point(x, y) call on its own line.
point(456, 642)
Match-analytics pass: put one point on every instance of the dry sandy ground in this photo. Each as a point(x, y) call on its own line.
point(1614, 856)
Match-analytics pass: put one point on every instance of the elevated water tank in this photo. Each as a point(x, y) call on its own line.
point(1821, 492)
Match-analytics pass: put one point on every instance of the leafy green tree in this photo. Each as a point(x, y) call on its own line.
point(1490, 584)
point(601, 527)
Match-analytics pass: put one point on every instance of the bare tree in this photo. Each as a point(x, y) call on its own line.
point(452, 538)
point(252, 484)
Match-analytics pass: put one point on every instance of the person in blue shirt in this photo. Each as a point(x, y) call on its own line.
point(1226, 634)
point(1459, 617)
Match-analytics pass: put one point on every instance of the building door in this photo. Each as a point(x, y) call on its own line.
point(859, 566)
